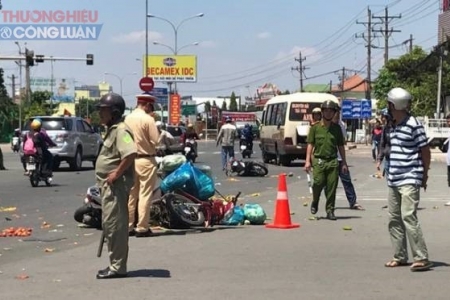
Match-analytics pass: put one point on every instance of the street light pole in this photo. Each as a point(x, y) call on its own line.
point(20, 85)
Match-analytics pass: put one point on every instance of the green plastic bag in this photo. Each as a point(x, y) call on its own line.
point(255, 214)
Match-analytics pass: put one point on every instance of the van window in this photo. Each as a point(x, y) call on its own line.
point(268, 114)
point(281, 115)
point(301, 111)
point(273, 116)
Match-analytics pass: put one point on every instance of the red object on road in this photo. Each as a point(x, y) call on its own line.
point(146, 84)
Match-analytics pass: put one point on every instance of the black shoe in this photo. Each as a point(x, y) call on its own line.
point(132, 233)
point(108, 274)
point(314, 207)
point(331, 216)
point(147, 233)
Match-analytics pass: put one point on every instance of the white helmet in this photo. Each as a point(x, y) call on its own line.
point(158, 123)
point(400, 98)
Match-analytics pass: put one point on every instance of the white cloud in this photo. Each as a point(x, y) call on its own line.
point(264, 35)
point(311, 53)
point(207, 44)
point(136, 37)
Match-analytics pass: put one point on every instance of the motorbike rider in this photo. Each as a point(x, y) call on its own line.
point(165, 140)
point(17, 135)
point(190, 134)
point(41, 142)
point(247, 136)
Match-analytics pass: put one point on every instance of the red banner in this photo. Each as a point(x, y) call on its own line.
point(175, 109)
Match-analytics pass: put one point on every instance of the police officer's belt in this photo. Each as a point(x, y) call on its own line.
point(326, 157)
point(145, 155)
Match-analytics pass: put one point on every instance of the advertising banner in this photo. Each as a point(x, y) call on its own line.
point(175, 109)
point(63, 88)
point(172, 68)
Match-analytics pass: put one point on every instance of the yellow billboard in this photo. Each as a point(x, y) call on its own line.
point(172, 68)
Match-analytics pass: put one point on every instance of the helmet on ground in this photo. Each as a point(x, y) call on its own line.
point(36, 124)
point(114, 101)
point(158, 123)
point(190, 125)
point(400, 98)
point(329, 104)
point(228, 120)
point(317, 110)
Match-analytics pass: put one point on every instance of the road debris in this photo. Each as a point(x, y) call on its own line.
point(7, 209)
point(16, 231)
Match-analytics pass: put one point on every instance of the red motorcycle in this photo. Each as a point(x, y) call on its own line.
point(195, 212)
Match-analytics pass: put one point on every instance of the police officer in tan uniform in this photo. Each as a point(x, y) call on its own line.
point(114, 171)
point(146, 138)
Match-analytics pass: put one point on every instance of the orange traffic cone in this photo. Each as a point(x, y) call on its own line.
point(282, 219)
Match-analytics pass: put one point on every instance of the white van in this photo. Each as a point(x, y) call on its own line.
point(285, 125)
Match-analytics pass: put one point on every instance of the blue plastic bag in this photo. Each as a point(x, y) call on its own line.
point(177, 179)
point(236, 218)
point(191, 180)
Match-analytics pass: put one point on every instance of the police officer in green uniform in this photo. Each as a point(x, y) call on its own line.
point(115, 175)
point(323, 139)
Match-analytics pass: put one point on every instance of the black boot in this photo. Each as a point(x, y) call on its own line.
point(331, 216)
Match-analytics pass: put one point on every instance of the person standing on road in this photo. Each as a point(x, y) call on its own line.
point(376, 138)
point(407, 172)
point(146, 137)
point(346, 179)
point(114, 171)
point(165, 140)
point(448, 157)
point(384, 145)
point(226, 137)
point(316, 115)
point(323, 139)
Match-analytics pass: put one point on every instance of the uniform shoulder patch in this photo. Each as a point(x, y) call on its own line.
point(127, 138)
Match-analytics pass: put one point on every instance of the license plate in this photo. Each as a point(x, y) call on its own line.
point(243, 147)
point(31, 167)
point(187, 149)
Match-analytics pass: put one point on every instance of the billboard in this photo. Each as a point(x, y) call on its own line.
point(175, 109)
point(356, 109)
point(63, 88)
point(172, 68)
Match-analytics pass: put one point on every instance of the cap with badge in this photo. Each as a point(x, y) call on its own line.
point(146, 97)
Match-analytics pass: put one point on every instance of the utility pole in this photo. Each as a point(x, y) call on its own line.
point(29, 58)
point(410, 41)
point(368, 38)
point(342, 81)
point(300, 68)
point(386, 19)
point(13, 85)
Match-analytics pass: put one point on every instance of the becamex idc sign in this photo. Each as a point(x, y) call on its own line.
point(49, 25)
point(172, 68)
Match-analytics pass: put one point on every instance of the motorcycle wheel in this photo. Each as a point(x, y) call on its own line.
point(186, 214)
point(34, 179)
point(259, 169)
point(80, 212)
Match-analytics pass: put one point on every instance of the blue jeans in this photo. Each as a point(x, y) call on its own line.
point(347, 183)
point(374, 149)
point(226, 151)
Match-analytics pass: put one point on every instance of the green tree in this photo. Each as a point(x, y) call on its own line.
point(233, 102)
point(224, 105)
point(8, 112)
point(286, 92)
point(41, 97)
point(86, 109)
point(416, 72)
point(35, 109)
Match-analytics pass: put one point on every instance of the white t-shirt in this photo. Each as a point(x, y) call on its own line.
point(344, 133)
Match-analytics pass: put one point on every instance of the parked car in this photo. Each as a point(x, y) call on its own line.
point(76, 140)
point(176, 132)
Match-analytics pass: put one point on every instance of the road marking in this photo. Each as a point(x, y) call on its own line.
point(426, 199)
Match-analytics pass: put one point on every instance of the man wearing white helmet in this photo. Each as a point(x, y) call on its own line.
point(165, 139)
point(407, 171)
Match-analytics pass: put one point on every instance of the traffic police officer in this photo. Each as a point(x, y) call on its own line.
point(114, 171)
point(323, 139)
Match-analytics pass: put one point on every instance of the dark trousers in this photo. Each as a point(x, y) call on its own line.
point(47, 162)
point(347, 183)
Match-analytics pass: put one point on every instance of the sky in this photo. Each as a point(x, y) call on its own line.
point(243, 44)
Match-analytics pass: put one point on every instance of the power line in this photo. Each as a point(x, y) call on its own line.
point(300, 68)
point(386, 19)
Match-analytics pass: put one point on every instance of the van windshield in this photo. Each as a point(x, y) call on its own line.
point(302, 111)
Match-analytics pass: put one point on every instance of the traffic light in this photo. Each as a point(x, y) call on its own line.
point(29, 57)
point(39, 58)
point(89, 59)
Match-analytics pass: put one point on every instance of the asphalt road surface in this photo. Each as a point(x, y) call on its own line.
point(319, 260)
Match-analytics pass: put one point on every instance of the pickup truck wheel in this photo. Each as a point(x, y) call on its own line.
point(77, 161)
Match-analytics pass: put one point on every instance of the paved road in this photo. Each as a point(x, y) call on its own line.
point(317, 261)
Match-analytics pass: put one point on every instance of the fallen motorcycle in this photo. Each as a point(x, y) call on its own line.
point(90, 214)
point(246, 168)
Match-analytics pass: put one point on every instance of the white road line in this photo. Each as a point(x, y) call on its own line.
point(424, 199)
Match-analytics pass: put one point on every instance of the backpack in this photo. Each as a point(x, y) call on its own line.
point(28, 147)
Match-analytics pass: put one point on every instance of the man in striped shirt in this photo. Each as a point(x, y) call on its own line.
point(407, 172)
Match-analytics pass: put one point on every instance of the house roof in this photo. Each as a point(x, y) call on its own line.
point(353, 84)
point(316, 88)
